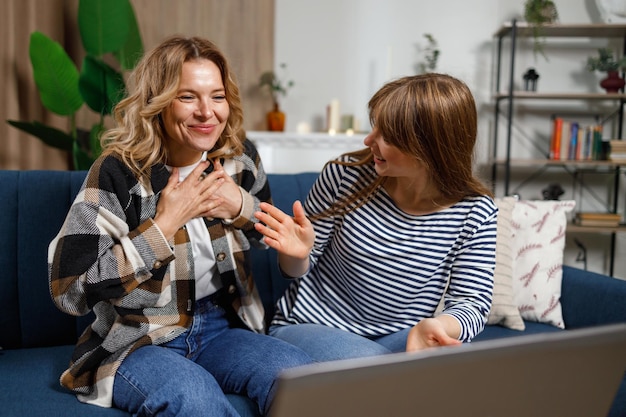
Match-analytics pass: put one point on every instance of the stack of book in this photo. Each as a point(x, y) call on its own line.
point(598, 219)
point(617, 152)
point(574, 141)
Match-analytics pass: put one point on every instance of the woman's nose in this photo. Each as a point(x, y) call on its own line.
point(368, 140)
point(204, 109)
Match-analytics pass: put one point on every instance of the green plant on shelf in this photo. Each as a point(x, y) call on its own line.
point(605, 61)
point(539, 13)
point(431, 54)
point(275, 84)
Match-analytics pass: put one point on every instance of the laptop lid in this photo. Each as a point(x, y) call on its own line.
point(570, 373)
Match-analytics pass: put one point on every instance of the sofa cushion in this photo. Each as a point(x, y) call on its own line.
point(504, 310)
point(498, 331)
point(10, 336)
point(591, 299)
point(285, 189)
point(538, 243)
point(31, 376)
point(39, 369)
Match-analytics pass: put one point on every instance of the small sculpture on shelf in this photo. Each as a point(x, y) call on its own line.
point(530, 80)
point(552, 192)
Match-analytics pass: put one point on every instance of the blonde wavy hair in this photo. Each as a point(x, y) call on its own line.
point(139, 136)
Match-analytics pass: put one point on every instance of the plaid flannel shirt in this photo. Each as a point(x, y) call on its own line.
point(110, 258)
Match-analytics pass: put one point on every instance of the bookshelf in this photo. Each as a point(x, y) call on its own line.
point(506, 98)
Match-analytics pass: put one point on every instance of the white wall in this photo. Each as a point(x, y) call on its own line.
point(346, 49)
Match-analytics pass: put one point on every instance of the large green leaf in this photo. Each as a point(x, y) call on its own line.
point(94, 139)
point(104, 25)
point(100, 85)
point(49, 135)
point(55, 75)
point(132, 50)
point(81, 159)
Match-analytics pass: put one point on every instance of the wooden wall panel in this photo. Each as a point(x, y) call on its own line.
point(20, 100)
point(243, 29)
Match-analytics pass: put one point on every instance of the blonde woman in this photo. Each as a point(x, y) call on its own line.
point(156, 245)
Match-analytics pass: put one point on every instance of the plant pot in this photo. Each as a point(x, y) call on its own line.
point(613, 82)
point(276, 119)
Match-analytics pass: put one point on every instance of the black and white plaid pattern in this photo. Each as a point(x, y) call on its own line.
point(110, 257)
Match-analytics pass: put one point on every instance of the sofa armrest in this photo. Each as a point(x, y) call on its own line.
point(590, 299)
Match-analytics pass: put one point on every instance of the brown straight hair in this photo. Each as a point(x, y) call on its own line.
point(431, 117)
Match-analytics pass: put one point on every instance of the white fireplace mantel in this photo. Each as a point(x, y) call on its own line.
point(291, 152)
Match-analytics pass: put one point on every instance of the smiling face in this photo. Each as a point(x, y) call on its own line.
point(390, 161)
point(197, 116)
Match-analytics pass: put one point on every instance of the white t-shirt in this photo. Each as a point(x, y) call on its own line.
point(206, 274)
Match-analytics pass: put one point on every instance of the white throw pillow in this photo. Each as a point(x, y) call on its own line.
point(504, 309)
point(537, 244)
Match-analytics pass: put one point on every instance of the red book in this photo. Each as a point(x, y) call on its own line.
point(555, 143)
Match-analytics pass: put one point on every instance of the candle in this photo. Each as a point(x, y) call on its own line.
point(333, 116)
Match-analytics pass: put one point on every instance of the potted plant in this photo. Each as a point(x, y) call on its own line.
point(539, 13)
point(106, 27)
point(277, 87)
point(605, 61)
point(431, 54)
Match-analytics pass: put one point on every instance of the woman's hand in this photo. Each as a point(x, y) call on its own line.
point(194, 197)
point(228, 195)
point(292, 237)
point(431, 332)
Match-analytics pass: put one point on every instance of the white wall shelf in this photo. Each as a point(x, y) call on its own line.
point(292, 152)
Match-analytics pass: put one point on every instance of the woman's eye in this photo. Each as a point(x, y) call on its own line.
point(219, 98)
point(186, 98)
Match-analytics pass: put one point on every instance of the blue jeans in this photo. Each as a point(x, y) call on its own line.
point(189, 375)
point(324, 343)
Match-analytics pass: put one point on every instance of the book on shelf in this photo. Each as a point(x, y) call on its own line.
point(598, 219)
point(575, 141)
point(617, 151)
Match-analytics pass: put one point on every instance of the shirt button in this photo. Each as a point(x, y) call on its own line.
point(157, 264)
point(221, 256)
point(232, 289)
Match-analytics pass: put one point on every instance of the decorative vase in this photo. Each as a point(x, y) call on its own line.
point(276, 119)
point(613, 82)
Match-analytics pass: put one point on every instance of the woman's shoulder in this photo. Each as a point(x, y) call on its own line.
point(347, 167)
point(111, 173)
point(483, 206)
point(249, 159)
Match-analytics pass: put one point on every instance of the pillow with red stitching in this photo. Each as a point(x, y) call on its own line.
point(538, 230)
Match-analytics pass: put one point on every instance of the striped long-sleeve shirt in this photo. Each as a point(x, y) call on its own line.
point(377, 269)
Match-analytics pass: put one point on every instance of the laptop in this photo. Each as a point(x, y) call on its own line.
point(571, 373)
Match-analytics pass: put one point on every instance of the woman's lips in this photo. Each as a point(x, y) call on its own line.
point(204, 129)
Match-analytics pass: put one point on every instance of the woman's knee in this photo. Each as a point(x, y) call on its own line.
point(156, 381)
point(325, 343)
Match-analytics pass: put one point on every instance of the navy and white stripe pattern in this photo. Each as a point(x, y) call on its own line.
point(378, 270)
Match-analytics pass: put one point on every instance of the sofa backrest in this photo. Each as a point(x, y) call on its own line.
point(33, 206)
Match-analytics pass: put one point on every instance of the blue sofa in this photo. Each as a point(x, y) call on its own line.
point(37, 339)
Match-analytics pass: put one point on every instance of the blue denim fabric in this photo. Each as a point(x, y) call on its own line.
point(189, 375)
point(324, 343)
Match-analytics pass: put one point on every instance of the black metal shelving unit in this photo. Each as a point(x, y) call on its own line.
point(506, 100)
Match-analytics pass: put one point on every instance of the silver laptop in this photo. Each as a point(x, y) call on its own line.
point(571, 373)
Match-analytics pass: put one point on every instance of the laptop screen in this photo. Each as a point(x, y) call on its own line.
point(570, 373)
